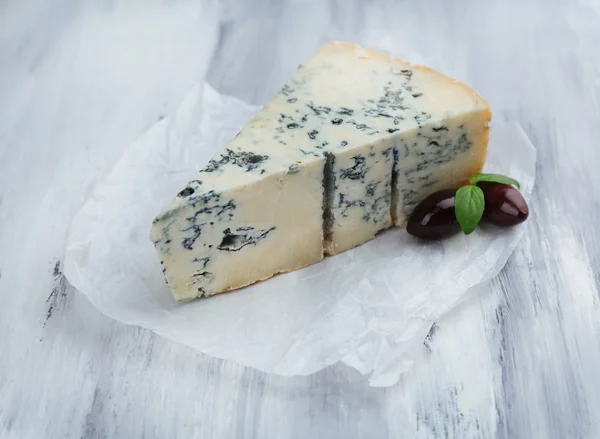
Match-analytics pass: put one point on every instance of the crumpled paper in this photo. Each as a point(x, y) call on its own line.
point(370, 308)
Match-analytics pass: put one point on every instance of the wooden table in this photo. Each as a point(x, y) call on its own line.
point(79, 81)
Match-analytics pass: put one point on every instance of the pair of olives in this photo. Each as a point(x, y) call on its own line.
point(434, 217)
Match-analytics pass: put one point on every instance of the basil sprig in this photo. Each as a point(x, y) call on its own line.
point(469, 204)
point(494, 178)
point(469, 201)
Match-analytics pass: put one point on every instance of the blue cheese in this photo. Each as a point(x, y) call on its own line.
point(346, 149)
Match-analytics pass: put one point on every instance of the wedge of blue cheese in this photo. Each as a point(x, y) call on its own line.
point(346, 149)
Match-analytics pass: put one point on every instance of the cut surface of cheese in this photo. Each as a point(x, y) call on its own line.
point(347, 148)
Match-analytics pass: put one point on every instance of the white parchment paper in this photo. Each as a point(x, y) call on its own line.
point(370, 307)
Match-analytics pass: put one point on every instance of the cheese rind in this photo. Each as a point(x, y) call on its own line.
point(347, 148)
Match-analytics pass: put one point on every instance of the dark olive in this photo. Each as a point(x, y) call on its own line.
point(504, 204)
point(434, 217)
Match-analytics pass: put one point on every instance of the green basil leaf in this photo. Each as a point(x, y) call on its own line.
point(494, 178)
point(469, 203)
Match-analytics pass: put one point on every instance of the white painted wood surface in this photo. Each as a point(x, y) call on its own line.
point(80, 80)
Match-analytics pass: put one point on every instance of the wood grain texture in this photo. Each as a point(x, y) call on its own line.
point(80, 80)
